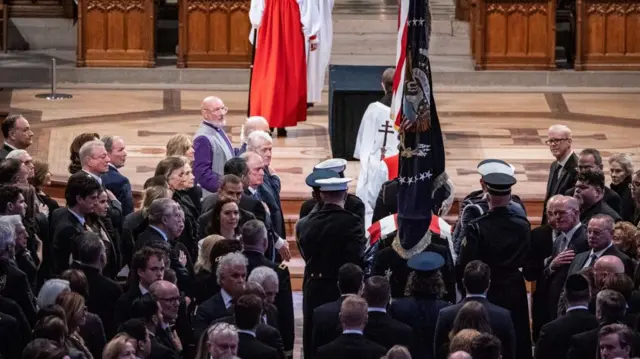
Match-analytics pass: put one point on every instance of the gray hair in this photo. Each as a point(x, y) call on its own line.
point(561, 128)
point(261, 275)
point(17, 154)
point(256, 139)
point(50, 291)
point(7, 235)
point(622, 158)
point(86, 150)
point(159, 208)
point(221, 329)
point(230, 260)
point(108, 142)
point(13, 220)
point(253, 232)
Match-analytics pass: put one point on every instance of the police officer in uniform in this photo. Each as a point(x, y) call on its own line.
point(500, 238)
point(353, 204)
point(476, 203)
point(329, 238)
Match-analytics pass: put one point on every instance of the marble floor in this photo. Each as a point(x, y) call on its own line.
point(510, 126)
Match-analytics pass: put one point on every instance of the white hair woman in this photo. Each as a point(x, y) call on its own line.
point(621, 170)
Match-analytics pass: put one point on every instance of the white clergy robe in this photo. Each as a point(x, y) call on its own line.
point(318, 60)
point(373, 171)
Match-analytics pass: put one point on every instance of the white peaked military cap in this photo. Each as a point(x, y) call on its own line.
point(495, 166)
point(333, 164)
point(333, 184)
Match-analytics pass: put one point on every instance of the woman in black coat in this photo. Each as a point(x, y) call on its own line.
point(621, 169)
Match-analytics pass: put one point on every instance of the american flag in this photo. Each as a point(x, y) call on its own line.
point(413, 107)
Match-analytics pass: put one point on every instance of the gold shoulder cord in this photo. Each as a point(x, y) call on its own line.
point(418, 248)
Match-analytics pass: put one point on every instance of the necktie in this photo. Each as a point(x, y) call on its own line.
point(559, 244)
point(593, 259)
point(555, 179)
point(256, 195)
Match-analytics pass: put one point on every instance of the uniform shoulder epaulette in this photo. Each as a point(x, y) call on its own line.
point(282, 266)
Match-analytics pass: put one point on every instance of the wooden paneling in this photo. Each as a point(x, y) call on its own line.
point(214, 33)
point(116, 33)
point(513, 34)
point(41, 8)
point(608, 35)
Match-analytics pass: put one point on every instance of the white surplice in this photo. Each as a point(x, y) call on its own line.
point(318, 60)
point(373, 171)
point(308, 17)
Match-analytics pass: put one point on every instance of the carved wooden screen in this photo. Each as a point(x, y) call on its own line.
point(514, 34)
point(116, 33)
point(214, 33)
point(608, 36)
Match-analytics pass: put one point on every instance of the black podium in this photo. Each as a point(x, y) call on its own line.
point(351, 90)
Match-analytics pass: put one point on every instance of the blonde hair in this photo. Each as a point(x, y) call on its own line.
point(116, 346)
point(624, 160)
point(151, 194)
point(178, 145)
point(203, 261)
point(462, 340)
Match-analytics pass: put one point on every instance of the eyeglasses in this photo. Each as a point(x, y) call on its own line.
point(557, 213)
point(172, 299)
point(223, 110)
point(554, 141)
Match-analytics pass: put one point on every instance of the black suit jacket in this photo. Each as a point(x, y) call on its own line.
point(17, 288)
point(580, 260)
point(8, 327)
point(120, 186)
point(351, 346)
point(23, 335)
point(212, 309)
point(65, 227)
point(555, 336)
point(103, 295)
point(264, 333)
point(499, 319)
point(4, 151)
point(599, 208)
point(326, 324)
point(387, 201)
point(386, 331)
point(610, 197)
point(164, 338)
point(549, 284)
point(159, 351)
point(249, 347)
point(123, 311)
point(567, 180)
point(585, 345)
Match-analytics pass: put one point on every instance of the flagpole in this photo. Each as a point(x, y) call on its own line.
point(253, 58)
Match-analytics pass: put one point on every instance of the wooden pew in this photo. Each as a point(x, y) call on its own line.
point(214, 33)
point(608, 35)
point(513, 34)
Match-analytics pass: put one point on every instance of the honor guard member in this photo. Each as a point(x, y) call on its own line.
point(311, 182)
point(329, 238)
point(476, 203)
point(353, 204)
point(500, 238)
point(420, 309)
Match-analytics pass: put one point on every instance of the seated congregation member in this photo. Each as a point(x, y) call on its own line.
point(485, 346)
point(67, 223)
point(326, 318)
point(206, 285)
point(120, 347)
point(220, 341)
point(170, 301)
point(230, 190)
point(420, 310)
point(621, 170)
point(477, 280)
point(610, 309)
point(40, 180)
point(231, 275)
point(254, 238)
point(180, 145)
point(99, 223)
point(147, 267)
point(553, 341)
point(166, 223)
point(352, 204)
point(16, 285)
point(73, 305)
point(381, 328)
point(589, 193)
point(17, 134)
point(351, 343)
point(553, 247)
point(92, 331)
point(247, 311)
point(600, 237)
point(175, 170)
point(103, 292)
point(616, 341)
point(147, 310)
point(113, 180)
point(590, 160)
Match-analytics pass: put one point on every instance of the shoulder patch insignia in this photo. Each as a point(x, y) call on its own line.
point(282, 266)
point(464, 242)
